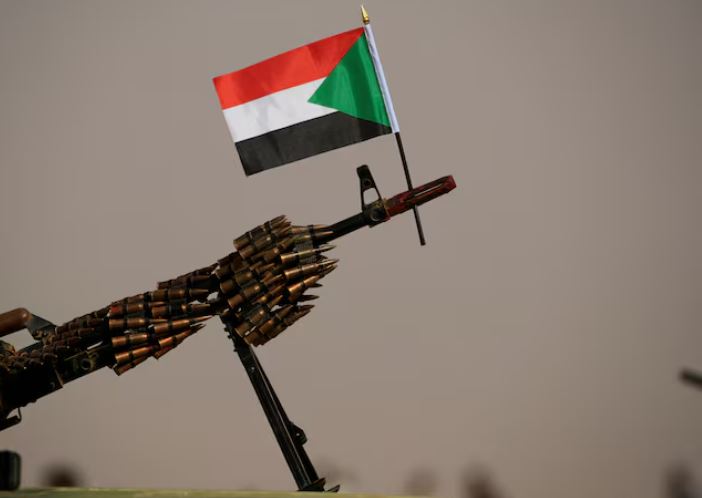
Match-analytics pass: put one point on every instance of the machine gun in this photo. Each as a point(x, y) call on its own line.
point(257, 291)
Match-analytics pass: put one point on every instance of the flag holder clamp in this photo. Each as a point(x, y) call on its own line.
point(290, 437)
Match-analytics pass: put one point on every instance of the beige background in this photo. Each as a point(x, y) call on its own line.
point(538, 334)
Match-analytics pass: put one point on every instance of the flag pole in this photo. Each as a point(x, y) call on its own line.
point(391, 113)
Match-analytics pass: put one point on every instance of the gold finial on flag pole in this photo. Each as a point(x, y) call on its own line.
point(364, 15)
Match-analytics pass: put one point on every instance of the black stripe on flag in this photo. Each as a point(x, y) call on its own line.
point(304, 140)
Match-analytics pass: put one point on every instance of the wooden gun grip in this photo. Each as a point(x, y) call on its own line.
point(14, 320)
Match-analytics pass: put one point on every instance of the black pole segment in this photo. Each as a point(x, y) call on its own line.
point(420, 230)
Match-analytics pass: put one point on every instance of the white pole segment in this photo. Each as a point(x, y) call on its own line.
point(381, 78)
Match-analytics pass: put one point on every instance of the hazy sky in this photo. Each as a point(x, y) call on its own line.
point(538, 334)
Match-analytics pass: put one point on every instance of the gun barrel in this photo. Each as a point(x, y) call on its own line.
point(418, 196)
point(384, 209)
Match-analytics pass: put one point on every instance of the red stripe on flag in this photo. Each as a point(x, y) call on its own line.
point(295, 67)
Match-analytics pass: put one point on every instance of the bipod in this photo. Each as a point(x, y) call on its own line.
point(290, 437)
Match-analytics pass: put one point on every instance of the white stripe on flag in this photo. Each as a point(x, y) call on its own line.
point(274, 111)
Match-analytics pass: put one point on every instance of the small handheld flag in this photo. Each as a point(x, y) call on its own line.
point(310, 100)
point(303, 102)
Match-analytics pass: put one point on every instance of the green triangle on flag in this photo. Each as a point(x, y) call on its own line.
point(352, 87)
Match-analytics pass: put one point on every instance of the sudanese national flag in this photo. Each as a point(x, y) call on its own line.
point(306, 101)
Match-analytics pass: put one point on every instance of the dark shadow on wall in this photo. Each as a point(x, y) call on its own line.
point(61, 475)
point(679, 482)
point(478, 482)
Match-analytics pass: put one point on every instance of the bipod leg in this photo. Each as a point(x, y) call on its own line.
point(289, 436)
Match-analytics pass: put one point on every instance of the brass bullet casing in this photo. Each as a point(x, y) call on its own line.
point(302, 241)
point(171, 294)
point(303, 310)
point(258, 232)
point(229, 286)
point(120, 369)
point(251, 319)
point(162, 351)
point(308, 269)
point(315, 238)
point(263, 229)
point(117, 310)
point(132, 323)
point(101, 313)
point(135, 353)
point(292, 258)
point(274, 320)
point(235, 301)
point(78, 323)
point(298, 229)
point(274, 294)
point(248, 293)
point(252, 291)
point(226, 259)
point(237, 281)
point(92, 322)
point(295, 291)
point(262, 244)
point(271, 302)
point(258, 245)
point(133, 339)
point(236, 264)
point(193, 281)
point(204, 272)
point(282, 246)
point(243, 277)
point(268, 301)
point(200, 309)
point(144, 296)
point(63, 327)
point(62, 336)
point(166, 295)
point(287, 321)
point(177, 309)
point(84, 333)
point(173, 340)
point(223, 271)
point(272, 254)
point(167, 310)
point(176, 325)
point(271, 281)
point(262, 268)
point(329, 269)
point(307, 297)
point(256, 315)
point(167, 344)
